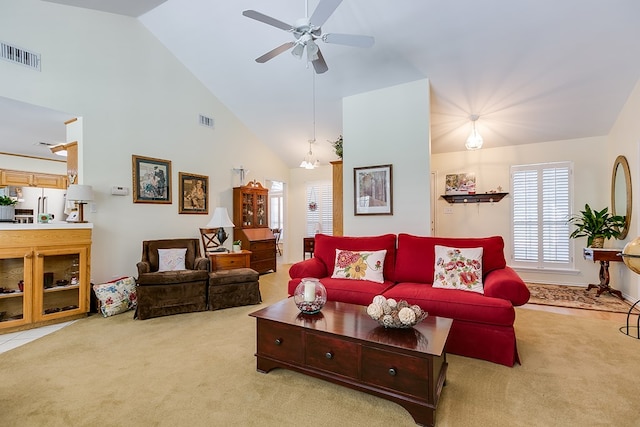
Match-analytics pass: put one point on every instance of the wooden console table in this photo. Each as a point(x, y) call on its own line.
point(604, 256)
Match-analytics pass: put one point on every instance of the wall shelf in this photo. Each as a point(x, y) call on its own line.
point(474, 198)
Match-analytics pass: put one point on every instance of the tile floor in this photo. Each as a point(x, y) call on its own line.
point(16, 339)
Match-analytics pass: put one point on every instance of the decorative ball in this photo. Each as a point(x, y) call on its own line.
point(310, 296)
point(395, 314)
point(631, 255)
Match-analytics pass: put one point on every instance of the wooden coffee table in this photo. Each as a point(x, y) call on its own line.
point(342, 344)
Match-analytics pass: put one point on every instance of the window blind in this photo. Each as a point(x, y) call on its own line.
point(320, 218)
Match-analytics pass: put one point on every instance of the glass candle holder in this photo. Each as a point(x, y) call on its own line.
point(310, 296)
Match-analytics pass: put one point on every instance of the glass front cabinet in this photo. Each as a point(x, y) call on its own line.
point(45, 283)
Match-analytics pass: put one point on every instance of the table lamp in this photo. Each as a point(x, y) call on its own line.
point(219, 220)
point(80, 194)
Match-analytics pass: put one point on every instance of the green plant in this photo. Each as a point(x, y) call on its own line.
point(237, 242)
point(593, 223)
point(337, 146)
point(7, 201)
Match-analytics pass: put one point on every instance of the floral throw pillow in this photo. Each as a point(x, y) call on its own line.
point(458, 269)
point(116, 297)
point(171, 259)
point(362, 265)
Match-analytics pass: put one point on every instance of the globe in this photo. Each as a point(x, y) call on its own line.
point(631, 255)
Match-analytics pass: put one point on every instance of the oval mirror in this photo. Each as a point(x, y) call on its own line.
point(621, 192)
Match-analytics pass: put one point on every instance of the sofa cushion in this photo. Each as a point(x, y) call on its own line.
point(455, 304)
point(416, 255)
point(458, 269)
point(325, 249)
point(171, 259)
point(359, 265)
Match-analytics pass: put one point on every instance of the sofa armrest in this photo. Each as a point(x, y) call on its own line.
point(506, 284)
point(311, 267)
point(201, 263)
point(143, 267)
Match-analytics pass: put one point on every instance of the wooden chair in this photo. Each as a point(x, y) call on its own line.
point(276, 232)
point(209, 242)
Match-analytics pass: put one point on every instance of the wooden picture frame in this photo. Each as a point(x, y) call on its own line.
point(194, 193)
point(151, 180)
point(373, 190)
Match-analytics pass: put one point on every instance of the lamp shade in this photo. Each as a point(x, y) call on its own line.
point(79, 193)
point(220, 219)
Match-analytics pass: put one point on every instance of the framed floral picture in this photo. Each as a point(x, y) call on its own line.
point(194, 193)
point(151, 180)
point(373, 190)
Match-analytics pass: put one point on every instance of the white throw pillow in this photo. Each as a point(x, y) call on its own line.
point(359, 265)
point(171, 259)
point(458, 269)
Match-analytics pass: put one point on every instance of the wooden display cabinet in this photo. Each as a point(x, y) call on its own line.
point(44, 276)
point(251, 220)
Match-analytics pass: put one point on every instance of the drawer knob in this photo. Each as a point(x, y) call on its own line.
point(278, 341)
point(328, 355)
point(392, 372)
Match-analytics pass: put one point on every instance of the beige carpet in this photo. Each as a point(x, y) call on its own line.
point(575, 297)
point(198, 369)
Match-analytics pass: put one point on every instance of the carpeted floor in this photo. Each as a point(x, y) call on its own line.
point(199, 369)
point(575, 297)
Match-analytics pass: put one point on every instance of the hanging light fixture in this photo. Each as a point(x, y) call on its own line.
point(474, 142)
point(310, 161)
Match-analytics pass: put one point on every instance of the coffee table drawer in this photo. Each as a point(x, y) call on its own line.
point(279, 341)
point(332, 354)
point(398, 372)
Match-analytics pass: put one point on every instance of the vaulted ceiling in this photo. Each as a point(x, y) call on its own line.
point(533, 70)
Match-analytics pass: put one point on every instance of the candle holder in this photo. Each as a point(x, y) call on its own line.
point(310, 296)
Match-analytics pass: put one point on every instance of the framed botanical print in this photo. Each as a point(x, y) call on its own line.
point(194, 193)
point(373, 190)
point(151, 180)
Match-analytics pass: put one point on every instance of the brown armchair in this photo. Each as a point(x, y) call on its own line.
point(161, 293)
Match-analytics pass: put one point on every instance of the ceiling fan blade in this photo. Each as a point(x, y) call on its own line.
point(267, 20)
point(349, 40)
point(275, 52)
point(323, 12)
point(319, 64)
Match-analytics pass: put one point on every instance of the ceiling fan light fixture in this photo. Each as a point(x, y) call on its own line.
point(309, 161)
point(298, 50)
point(474, 141)
point(312, 51)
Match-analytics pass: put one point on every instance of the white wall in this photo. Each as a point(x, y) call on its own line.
point(492, 169)
point(133, 98)
point(390, 126)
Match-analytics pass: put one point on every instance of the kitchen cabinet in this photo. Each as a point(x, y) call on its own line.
point(44, 275)
point(32, 179)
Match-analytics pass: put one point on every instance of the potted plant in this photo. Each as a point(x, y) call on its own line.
point(596, 225)
point(337, 146)
point(237, 246)
point(7, 209)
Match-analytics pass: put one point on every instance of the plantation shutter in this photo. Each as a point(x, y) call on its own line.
point(320, 219)
point(541, 207)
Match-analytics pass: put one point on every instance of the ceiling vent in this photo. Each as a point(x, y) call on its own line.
point(206, 121)
point(17, 55)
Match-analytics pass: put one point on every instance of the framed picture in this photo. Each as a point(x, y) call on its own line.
point(373, 190)
point(151, 180)
point(460, 183)
point(194, 193)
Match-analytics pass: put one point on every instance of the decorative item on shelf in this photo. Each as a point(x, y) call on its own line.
point(474, 141)
point(395, 314)
point(337, 146)
point(81, 194)
point(219, 220)
point(310, 296)
point(597, 226)
point(237, 246)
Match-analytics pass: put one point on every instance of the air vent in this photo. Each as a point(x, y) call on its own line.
point(206, 121)
point(20, 56)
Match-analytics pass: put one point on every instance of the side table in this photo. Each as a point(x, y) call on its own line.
point(604, 256)
point(308, 244)
point(229, 260)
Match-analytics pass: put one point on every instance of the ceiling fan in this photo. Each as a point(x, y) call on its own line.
point(306, 32)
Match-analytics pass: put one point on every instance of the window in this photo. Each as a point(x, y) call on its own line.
point(319, 208)
point(276, 206)
point(541, 206)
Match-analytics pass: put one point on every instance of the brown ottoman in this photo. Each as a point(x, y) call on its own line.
point(233, 288)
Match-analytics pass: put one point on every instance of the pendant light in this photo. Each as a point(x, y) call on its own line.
point(474, 142)
point(310, 161)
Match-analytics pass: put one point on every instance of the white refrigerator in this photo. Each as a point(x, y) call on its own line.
point(43, 201)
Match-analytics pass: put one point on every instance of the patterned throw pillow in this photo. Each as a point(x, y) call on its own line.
point(117, 296)
point(359, 265)
point(458, 269)
point(171, 259)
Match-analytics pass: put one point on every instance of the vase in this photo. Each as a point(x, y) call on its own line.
point(597, 242)
point(310, 296)
point(236, 248)
point(7, 213)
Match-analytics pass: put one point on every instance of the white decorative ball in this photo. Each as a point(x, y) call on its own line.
point(379, 299)
point(387, 320)
point(374, 311)
point(392, 303)
point(407, 316)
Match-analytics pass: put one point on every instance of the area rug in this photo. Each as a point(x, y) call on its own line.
point(575, 297)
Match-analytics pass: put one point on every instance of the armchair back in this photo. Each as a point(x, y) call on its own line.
point(150, 251)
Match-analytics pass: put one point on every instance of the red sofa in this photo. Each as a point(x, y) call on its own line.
point(482, 324)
